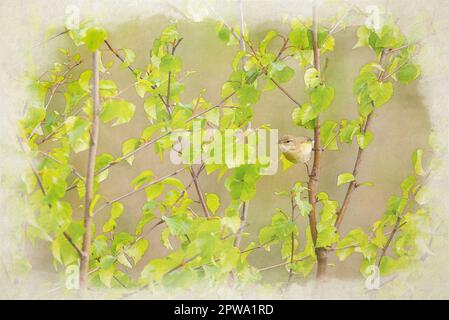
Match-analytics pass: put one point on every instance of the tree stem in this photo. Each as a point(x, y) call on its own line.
point(199, 192)
point(87, 238)
point(316, 169)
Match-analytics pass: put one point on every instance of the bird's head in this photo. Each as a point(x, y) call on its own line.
point(287, 143)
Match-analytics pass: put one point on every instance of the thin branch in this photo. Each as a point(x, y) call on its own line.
point(108, 203)
point(33, 168)
point(70, 240)
point(397, 225)
point(52, 94)
point(182, 264)
point(167, 104)
point(120, 57)
point(57, 130)
point(358, 161)
point(339, 22)
point(279, 265)
point(199, 192)
point(397, 70)
point(256, 247)
point(75, 172)
point(286, 93)
point(243, 219)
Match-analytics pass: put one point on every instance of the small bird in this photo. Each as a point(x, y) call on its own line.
point(296, 149)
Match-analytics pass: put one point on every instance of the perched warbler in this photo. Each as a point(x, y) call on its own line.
point(296, 149)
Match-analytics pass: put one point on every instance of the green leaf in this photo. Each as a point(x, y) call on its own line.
point(179, 225)
point(365, 109)
point(347, 245)
point(285, 163)
point(329, 135)
point(33, 117)
point(303, 115)
point(107, 270)
point(224, 33)
point(304, 207)
point(169, 34)
point(154, 191)
point(364, 139)
point(120, 110)
point(248, 95)
point(322, 97)
point(232, 223)
point(266, 41)
point(408, 73)
point(130, 56)
point(73, 95)
point(396, 205)
point(174, 182)
point(78, 133)
point(165, 238)
point(143, 178)
point(366, 184)
point(380, 92)
point(116, 212)
point(108, 88)
point(312, 78)
point(326, 237)
point(84, 80)
point(344, 178)
point(348, 130)
point(137, 250)
point(417, 162)
point(407, 184)
point(129, 146)
point(389, 265)
point(236, 61)
point(102, 161)
point(170, 63)
point(280, 72)
point(363, 34)
point(298, 37)
point(390, 37)
point(329, 44)
point(213, 202)
point(94, 38)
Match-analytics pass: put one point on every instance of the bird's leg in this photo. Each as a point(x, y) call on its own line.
point(307, 168)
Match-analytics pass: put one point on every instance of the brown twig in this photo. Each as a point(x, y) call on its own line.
point(286, 92)
point(290, 272)
point(75, 172)
point(199, 192)
point(52, 94)
point(358, 161)
point(120, 57)
point(243, 219)
point(397, 225)
point(108, 203)
point(70, 240)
